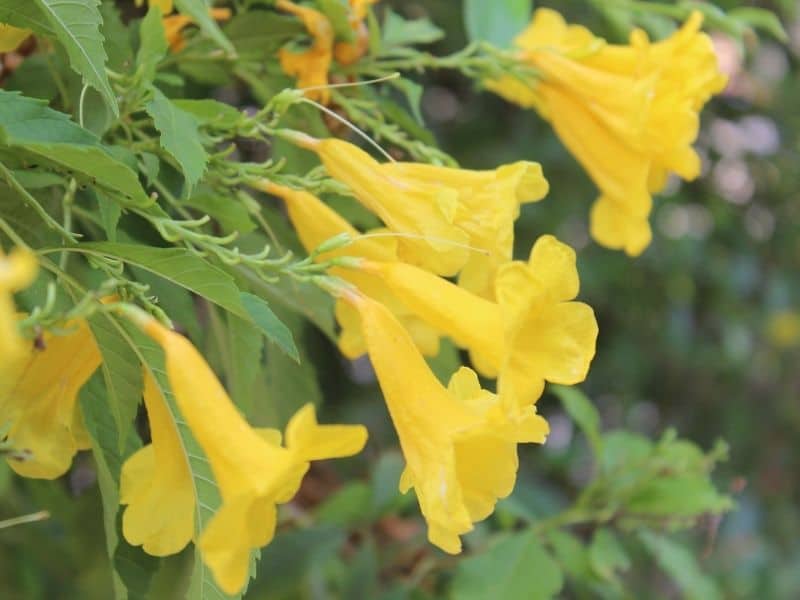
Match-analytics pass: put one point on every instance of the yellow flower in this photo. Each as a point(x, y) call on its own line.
point(252, 472)
point(175, 24)
point(315, 223)
point(783, 328)
point(17, 271)
point(347, 53)
point(40, 401)
point(11, 37)
point(488, 205)
point(164, 5)
point(459, 444)
point(532, 334)
point(421, 213)
point(311, 66)
point(628, 113)
point(156, 484)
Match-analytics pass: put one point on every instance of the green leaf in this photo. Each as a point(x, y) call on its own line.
point(227, 211)
point(682, 495)
point(198, 10)
point(413, 93)
point(398, 31)
point(304, 299)
point(110, 213)
point(121, 373)
point(606, 555)
point(347, 506)
point(179, 136)
point(245, 361)
point(76, 24)
point(681, 565)
point(25, 15)
point(270, 324)
point(259, 34)
point(179, 266)
point(582, 411)
point(515, 567)
point(570, 553)
point(496, 22)
point(49, 136)
point(760, 18)
point(152, 43)
point(337, 14)
point(210, 112)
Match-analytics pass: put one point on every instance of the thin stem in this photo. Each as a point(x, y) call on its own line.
point(80, 104)
point(32, 518)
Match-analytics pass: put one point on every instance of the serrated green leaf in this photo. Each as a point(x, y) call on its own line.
point(110, 213)
point(198, 10)
point(496, 22)
point(269, 324)
point(26, 120)
point(681, 565)
point(178, 266)
point(121, 374)
point(152, 43)
point(398, 31)
point(681, 495)
point(179, 136)
point(304, 299)
point(76, 24)
point(515, 567)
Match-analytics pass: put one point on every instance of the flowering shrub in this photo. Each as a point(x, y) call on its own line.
point(173, 263)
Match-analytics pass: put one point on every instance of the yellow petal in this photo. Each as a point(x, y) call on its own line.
point(11, 37)
point(311, 441)
point(156, 484)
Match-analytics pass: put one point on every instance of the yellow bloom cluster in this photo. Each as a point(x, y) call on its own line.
point(311, 66)
point(518, 320)
point(629, 113)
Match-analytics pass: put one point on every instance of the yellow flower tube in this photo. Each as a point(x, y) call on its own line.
point(459, 445)
point(629, 113)
point(17, 271)
point(421, 213)
point(347, 53)
point(156, 484)
point(253, 474)
point(12, 37)
point(315, 223)
point(311, 66)
point(41, 403)
point(164, 5)
point(488, 205)
point(532, 334)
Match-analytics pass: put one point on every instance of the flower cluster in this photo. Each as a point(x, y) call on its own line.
point(628, 113)
point(518, 320)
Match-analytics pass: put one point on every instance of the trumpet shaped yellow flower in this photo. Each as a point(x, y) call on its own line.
point(165, 5)
point(40, 401)
point(17, 271)
point(347, 53)
point(156, 484)
point(459, 444)
point(532, 334)
point(252, 472)
point(422, 213)
point(11, 37)
point(488, 205)
point(315, 223)
point(628, 113)
point(311, 66)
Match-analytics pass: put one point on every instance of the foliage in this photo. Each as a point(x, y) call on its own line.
point(133, 162)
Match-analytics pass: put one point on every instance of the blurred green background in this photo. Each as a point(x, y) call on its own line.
point(700, 333)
